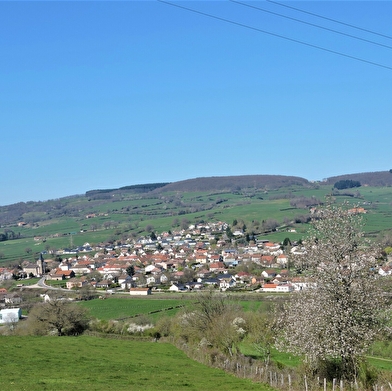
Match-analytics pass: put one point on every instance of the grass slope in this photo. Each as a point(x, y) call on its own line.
point(95, 364)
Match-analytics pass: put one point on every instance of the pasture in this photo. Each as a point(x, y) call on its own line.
point(129, 307)
point(91, 363)
point(156, 305)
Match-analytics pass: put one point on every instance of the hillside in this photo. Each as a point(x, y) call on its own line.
point(235, 183)
point(375, 179)
point(260, 203)
point(76, 206)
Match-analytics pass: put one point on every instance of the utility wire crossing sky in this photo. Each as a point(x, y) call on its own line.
point(108, 94)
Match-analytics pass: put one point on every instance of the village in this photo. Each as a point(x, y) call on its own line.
point(191, 259)
point(186, 260)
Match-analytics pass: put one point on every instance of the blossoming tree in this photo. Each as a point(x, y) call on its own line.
point(332, 323)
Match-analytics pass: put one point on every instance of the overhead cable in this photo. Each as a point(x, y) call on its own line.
point(275, 35)
point(330, 19)
point(310, 24)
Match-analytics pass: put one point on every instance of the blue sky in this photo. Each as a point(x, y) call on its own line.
point(107, 94)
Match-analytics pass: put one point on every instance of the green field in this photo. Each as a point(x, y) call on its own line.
point(91, 363)
point(156, 305)
point(131, 215)
point(127, 307)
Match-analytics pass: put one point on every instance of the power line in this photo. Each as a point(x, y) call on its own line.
point(311, 24)
point(330, 19)
point(276, 35)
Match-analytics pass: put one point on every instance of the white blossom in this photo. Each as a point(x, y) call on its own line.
point(346, 310)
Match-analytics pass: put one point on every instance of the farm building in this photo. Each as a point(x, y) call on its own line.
point(140, 291)
point(10, 315)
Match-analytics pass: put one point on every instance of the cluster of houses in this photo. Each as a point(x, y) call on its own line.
point(181, 261)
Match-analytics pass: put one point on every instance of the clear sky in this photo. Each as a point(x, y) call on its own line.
point(100, 95)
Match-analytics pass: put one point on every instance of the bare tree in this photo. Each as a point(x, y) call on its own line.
point(58, 315)
point(270, 225)
point(149, 228)
point(28, 250)
point(184, 223)
point(333, 323)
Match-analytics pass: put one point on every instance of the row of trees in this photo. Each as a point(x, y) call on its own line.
point(346, 184)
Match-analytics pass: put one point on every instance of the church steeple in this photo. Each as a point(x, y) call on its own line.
point(41, 265)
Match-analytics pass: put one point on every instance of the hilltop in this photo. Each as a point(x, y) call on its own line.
point(233, 183)
point(375, 179)
point(79, 205)
point(239, 182)
point(214, 183)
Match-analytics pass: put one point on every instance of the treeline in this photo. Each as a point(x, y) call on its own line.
point(8, 234)
point(141, 188)
point(377, 179)
point(346, 184)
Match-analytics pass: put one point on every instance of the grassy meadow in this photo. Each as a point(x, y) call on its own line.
point(91, 363)
point(157, 305)
point(128, 307)
point(153, 308)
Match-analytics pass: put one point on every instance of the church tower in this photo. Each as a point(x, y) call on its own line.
point(40, 265)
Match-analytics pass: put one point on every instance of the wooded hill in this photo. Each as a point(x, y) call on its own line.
point(80, 205)
point(375, 179)
point(233, 183)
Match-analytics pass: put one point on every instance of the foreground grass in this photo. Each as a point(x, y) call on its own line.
point(91, 363)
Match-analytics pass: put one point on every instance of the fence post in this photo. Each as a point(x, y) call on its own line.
point(306, 383)
point(325, 384)
point(289, 380)
point(333, 384)
point(341, 385)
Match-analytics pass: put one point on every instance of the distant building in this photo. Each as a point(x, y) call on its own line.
point(140, 291)
point(10, 315)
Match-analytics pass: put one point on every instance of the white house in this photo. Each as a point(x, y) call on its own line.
point(226, 281)
point(10, 315)
point(140, 291)
point(177, 288)
point(285, 288)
